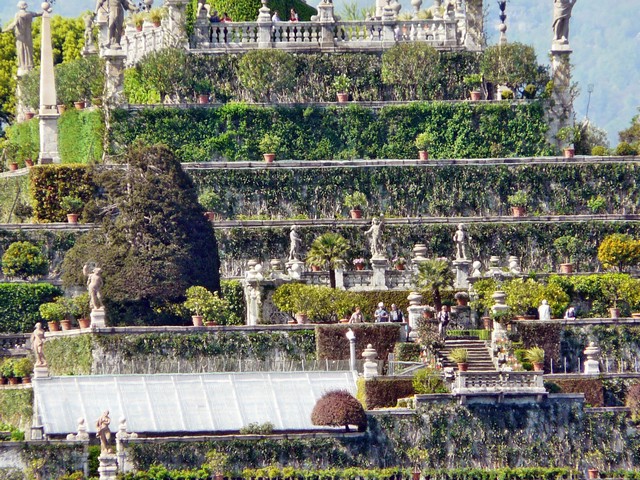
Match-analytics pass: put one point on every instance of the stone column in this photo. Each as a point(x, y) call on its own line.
point(389, 23)
point(48, 101)
point(202, 27)
point(264, 26)
point(378, 279)
point(499, 332)
point(114, 78)
point(108, 468)
point(475, 25)
point(175, 33)
point(325, 14)
point(561, 112)
point(98, 318)
point(414, 313)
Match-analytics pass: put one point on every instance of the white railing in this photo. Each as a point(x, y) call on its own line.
point(469, 383)
point(136, 44)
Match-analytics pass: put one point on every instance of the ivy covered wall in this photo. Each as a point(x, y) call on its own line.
point(233, 132)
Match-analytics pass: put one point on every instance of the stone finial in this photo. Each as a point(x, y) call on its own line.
point(419, 252)
point(514, 265)
point(370, 365)
point(264, 14)
point(477, 269)
point(592, 364)
point(82, 434)
point(415, 299)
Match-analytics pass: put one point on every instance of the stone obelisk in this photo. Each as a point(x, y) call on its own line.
point(48, 110)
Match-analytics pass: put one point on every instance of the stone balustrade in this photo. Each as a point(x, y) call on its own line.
point(499, 384)
point(361, 280)
point(136, 44)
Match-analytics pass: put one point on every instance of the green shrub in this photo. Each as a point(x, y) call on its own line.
point(412, 68)
point(257, 429)
point(247, 10)
point(407, 352)
point(514, 65)
point(519, 199)
point(625, 149)
point(339, 408)
point(619, 251)
point(599, 151)
point(24, 260)
point(383, 392)
point(427, 381)
point(19, 305)
point(267, 73)
point(52, 311)
point(331, 343)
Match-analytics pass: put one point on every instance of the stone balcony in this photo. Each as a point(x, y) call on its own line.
point(498, 387)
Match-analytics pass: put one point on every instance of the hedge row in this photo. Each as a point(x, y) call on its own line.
point(233, 132)
point(331, 343)
point(19, 303)
point(383, 392)
point(412, 191)
point(591, 387)
point(50, 183)
point(546, 336)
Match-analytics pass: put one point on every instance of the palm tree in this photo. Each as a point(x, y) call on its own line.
point(328, 251)
point(435, 274)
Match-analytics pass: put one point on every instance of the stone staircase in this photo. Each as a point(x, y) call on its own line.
point(479, 357)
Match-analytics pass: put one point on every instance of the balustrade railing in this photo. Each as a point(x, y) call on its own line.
point(466, 383)
point(136, 44)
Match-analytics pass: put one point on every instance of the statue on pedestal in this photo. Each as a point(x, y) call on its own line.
point(94, 285)
point(103, 433)
point(37, 345)
point(21, 26)
point(461, 239)
point(561, 15)
point(375, 242)
point(116, 9)
point(544, 311)
point(296, 242)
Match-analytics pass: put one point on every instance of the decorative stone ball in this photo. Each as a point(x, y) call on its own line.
point(295, 267)
point(416, 4)
point(502, 28)
point(45, 6)
point(257, 268)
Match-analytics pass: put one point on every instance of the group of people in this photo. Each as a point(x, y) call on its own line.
point(381, 315)
point(216, 18)
point(293, 16)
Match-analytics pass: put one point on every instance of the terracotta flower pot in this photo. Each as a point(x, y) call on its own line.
point(356, 213)
point(29, 115)
point(84, 322)
point(615, 312)
point(197, 320)
point(463, 367)
point(28, 162)
point(203, 99)
point(487, 322)
point(156, 24)
point(593, 473)
point(475, 95)
point(26, 379)
point(343, 97)
point(4, 380)
point(79, 105)
point(269, 157)
point(315, 268)
point(65, 324)
point(72, 217)
point(569, 153)
point(13, 166)
point(210, 324)
point(400, 266)
point(566, 268)
point(302, 317)
point(518, 211)
point(359, 266)
point(138, 28)
point(538, 366)
point(54, 326)
point(423, 155)
point(62, 109)
point(13, 380)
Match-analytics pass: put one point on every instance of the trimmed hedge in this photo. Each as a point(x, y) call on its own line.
point(545, 336)
point(591, 387)
point(383, 392)
point(16, 408)
point(407, 352)
point(331, 343)
point(19, 304)
point(233, 132)
point(50, 183)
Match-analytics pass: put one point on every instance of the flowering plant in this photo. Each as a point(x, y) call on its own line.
point(399, 261)
point(359, 261)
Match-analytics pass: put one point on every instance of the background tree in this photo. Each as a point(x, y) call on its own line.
point(413, 69)
point(514, 65)
point(435, 275)
point(23, 260)
point(247, 10)
point(631, 135)
point(328, 251)
point(339, 408)
point(153, 242)
point(619, 251)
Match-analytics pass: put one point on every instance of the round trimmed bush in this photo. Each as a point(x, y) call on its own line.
point(337, 408)
point(23, 260)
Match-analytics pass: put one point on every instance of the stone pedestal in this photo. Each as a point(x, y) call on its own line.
point(48, 136)
point(264, 26)
point(295, 269)
point(325, 15)
point(114, 78)
point(463, 316)
point(175, 34)
point(562, 110)
point(98, 318)
point(379, 267)
point(108, 468)
point(462, 270)
point(414, 313)
point(41, 372)
point(370, 365)
point(592, 364)
point(48, 110)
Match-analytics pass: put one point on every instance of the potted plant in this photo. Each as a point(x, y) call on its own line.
point(518, 202)
point(341, 84)
point(202, 89)
point(423, 142)
point(53, 313)
point(569, 136)
point(460, 356)
point(23, 368)
point(617, 287)
point(7, 369)
point(269, 146)
point(217, 462)
point(211, 202)
point(355, 201)
point(535, 355)
point(72, 205)
point(474, 82)
point(399, 263)
point(217, 311)
point(155, 16)
point(82, 309)
point(198, 302)
point(566, 247)
point(359, 263)
point(137, 19)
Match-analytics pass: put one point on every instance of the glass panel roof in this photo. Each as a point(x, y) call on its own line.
point(171, 403)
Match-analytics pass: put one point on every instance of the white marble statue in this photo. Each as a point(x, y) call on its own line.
point(94, 286)
point(561, 15)
point(21, 26)
point(37, 345)
point(544, 311)
point(296, 242)
point(116, 9)
point(461, 239)
point(375, 242)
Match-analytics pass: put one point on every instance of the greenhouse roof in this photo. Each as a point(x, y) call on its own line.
point(177, 403)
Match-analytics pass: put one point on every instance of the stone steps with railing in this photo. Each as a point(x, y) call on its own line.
point(479, 356)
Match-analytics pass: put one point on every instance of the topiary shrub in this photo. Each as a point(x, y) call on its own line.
point(383, 392)
point(339, 408)
point(24, 260)
point(625, 149)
